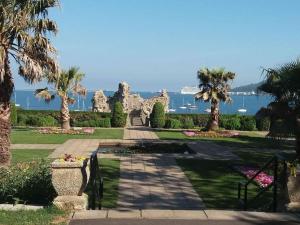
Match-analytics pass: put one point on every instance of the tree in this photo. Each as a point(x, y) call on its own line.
point(118, 118)
point(157, 116)
point(214, 88)
point(283, 83)
point(65, 85)
point(24, 27)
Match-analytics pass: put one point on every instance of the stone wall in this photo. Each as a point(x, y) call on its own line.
point(133, 104)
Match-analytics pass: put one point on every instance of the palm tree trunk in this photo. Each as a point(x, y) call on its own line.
point(298, 137)
point(6, 90)
point(213, 123)
point(65, 114)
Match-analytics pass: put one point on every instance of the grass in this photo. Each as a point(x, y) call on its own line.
point(110, 172)
point(45, 216)
point(245, 140)
point(27, 155)
point(216, 183)
point(31, 136)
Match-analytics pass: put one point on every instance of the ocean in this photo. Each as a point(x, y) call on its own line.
point(27, 100)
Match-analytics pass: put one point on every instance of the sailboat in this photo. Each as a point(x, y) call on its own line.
point(194, 106)
point(243, 109)
point(172, 108)
point(17, 105)
point(183, 105)
point(208, 110)
point(78, 104)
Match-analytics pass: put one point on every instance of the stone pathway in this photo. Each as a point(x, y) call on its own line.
point(155, 182)
point(139, 133)
point(212, 151)
point(34, 146)
point(182, 217)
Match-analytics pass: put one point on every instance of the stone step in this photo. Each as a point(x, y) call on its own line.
point(136, 121)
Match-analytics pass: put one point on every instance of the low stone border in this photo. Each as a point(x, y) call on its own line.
point(185, 214)
point(11, 207)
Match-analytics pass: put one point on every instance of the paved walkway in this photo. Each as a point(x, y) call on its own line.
point(34, 146)
point(139, 133)
point(182, 217)
point(155, 182)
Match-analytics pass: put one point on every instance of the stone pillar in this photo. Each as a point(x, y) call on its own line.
point(293, 186)
point(69, 180)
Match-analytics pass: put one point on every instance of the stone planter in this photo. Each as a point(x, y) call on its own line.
point(293, 187)
point(69, 180)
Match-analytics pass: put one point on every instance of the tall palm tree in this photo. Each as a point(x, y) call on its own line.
point(64, 84)
point(214, 88)
point(283, 83)
point(24, 27)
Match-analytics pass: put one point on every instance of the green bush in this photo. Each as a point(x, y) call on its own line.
point(188, 123)
point(157, 116)
point(21, 120)
point(232, 123)
point(48, 121)
point(27, 182)
point(105, 122)
point(35, 121)
point(13, 114)
point(173, 124)
point(263, 124)
point(247, 123)
point(118, 117)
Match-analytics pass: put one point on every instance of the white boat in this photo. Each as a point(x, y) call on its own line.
point(172, 108)
point(194, 106)
point(207, 110)
point(189, 90)
point(242, 110)
point(17, 105)
point(183, 105)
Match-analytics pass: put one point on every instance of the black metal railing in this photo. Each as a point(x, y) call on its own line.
point(273, 163)
point(96, 182)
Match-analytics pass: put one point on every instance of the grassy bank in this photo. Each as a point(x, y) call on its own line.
point(32, 136)
point(250, 139)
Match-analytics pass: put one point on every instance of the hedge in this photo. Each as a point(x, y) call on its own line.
point(227, 121)
point(158, 117)
point(48, 118)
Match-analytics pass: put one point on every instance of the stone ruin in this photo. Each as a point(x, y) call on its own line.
point(133, 104)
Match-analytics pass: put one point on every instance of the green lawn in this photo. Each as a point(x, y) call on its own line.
point(245, 140)
point(216, 183)
point(31, 136)
point(46, 216)
point(110, 172)
point(27, 155)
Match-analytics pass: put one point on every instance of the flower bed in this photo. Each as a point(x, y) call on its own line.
point(86, 130)
point(212, 134)
point(262, 179)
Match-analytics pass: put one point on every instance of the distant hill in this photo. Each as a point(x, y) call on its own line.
point(247, 88)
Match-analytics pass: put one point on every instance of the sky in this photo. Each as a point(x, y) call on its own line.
point(156, 44)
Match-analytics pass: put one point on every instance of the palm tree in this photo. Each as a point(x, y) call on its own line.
point(24, 27)
point(214, 88)
point(63, 84)
point(283, 83)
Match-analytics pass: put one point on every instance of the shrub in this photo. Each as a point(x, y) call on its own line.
point(157, 116)
point(105, 122)
point(247, 123)
point(13, 114)
point(27, 182)
point(118, 117)
point(263, 124)
point(34, 121)
point(173, 124)
point(232, 123)
point(48, 121)
point(188, 123)
point(21, 120)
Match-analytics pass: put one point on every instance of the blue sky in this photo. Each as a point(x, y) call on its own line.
point(155, 44)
